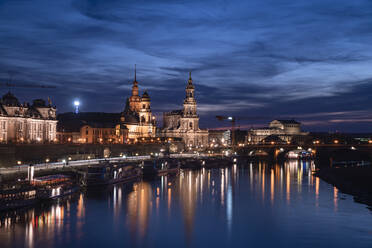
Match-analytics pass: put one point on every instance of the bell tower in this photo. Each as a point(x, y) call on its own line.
point(189, 104)
point(135, 99)
point(190, 119)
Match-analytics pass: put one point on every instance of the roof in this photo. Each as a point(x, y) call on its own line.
point(145, 95)
point(10, 100)
point(33, 113)
point(39, 103)
point(71, 122)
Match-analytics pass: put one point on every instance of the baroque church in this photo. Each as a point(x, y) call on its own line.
point(185, 123)
point(137, 115)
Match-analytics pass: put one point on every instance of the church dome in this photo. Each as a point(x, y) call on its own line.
point(145, 96)
point(10, 100)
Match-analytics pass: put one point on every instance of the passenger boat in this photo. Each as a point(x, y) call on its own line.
point(54, 186)
point(106, 173)
point(17, 197)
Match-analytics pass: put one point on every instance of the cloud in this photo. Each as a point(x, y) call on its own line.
point(303, 59)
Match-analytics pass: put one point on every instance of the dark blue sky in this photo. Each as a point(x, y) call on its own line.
point(310, 60)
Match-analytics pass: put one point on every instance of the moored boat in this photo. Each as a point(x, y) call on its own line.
point(17, 197)
point(106, 173)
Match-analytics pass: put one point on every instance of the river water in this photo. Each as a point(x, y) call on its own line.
point(255, 205)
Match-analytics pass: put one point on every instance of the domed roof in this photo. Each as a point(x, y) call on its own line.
point(10, 100)
point(145, 95)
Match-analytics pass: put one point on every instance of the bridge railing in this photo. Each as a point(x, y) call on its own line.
point(76, 163)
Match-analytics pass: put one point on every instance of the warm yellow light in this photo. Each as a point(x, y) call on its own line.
point(47, 160)
point(335, 141)
point(19, 162)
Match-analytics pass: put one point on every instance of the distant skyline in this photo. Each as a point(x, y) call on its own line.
point(307, 60)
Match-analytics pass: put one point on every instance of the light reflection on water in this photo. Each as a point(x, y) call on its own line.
point(256, 204)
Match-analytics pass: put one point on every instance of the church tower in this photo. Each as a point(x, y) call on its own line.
point(145, 111)
point(135, 99)
point(189, 104)
point(190, 119)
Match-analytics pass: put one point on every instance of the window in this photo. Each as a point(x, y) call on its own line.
point(190, 124)
point(86, 131)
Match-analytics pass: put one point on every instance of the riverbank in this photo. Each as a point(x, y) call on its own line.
point(356, 181)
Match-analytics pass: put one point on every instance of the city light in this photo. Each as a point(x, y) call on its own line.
point(76, 104)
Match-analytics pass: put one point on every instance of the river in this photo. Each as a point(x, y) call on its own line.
point(255, 205)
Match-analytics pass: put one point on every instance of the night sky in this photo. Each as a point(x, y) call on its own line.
point(310, 60)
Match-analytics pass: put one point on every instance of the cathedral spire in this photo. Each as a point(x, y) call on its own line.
point(135, 73)
point(190, 79)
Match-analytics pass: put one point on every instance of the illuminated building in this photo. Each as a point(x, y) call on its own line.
point(185, 123)
point(91, 128)
point(137, 115)
point(26, 123)
point(279, 131)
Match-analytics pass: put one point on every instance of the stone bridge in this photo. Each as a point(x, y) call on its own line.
point(324, 153)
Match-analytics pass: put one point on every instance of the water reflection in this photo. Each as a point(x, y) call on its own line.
point(144, 210)
point(139, 203)
point(47, 221)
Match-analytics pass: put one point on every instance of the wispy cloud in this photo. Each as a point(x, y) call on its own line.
point(306, 59)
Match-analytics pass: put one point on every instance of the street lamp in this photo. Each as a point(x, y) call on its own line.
point(76, 104)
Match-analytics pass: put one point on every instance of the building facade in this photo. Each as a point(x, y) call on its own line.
point(27, 123)
point(282, 131)
point(137, 116)
point(91, 128)
point(185, 123)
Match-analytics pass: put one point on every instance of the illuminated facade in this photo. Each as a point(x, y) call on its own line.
point(91, 128)
point(185, 123)
point(282, 130)
point(26, 123)
point(137, 115)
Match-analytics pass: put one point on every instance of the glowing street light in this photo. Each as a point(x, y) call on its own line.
point(76, 104)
